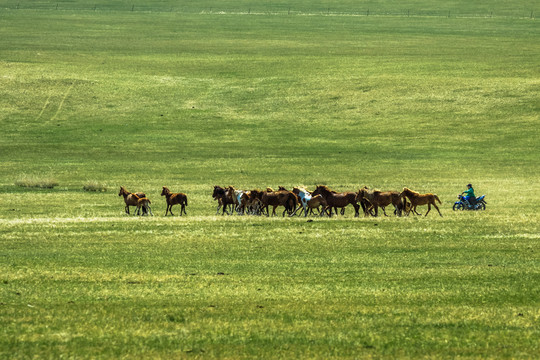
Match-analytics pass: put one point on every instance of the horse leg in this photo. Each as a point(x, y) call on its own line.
point(436, 207)
point(170, 209)
point(428, 208)
point(356, 210)
point(329, 211)
point(300, 206)
point(410, 209)
point(295, 211)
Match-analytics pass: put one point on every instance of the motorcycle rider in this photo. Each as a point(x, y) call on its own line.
point(469, 195)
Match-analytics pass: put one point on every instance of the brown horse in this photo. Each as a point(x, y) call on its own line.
point(420, 199)
point(279, 198)
point(380, 199)
point(144, 203)
point(337, 200)
point(225, 198)
point(131, 199)
point(174, 199)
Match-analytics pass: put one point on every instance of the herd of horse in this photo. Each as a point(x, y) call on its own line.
point(322, 201)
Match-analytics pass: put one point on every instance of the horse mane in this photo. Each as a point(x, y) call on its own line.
point(324, 187)
point(405, 189)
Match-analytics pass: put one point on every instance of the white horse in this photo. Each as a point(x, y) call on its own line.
point(241, 201)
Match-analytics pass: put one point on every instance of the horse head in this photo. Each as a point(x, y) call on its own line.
point(255, 194)
point(165, 191)
point(218, 190)
point(321, 189)
point(406, 191)
point(122, 191)
point(361, 194)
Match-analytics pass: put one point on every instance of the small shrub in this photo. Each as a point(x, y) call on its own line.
point(95, 186)
point(36, 182)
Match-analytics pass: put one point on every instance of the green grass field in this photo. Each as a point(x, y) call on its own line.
point(195, 94)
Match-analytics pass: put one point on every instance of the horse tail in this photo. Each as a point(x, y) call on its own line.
point(437, 198)
point(292, 201)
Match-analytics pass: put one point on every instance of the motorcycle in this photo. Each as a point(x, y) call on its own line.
point(464, 204)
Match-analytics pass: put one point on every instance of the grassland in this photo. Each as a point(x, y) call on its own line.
point(196, 94)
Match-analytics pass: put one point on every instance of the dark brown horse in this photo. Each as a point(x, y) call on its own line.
point(337, 200)
point(380, 199)
point(174, 199)
point(225, 198)
point(420, 199)
point(279, 198)
point(131, 199)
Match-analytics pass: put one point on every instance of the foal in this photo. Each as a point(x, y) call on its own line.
point(174, 199)
point(131, 199)
point(144, 203)
point(309, 202)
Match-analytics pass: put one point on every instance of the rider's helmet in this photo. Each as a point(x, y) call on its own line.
point(469, 185)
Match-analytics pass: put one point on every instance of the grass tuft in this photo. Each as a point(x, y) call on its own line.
point(36, 182)
point(94, 186)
